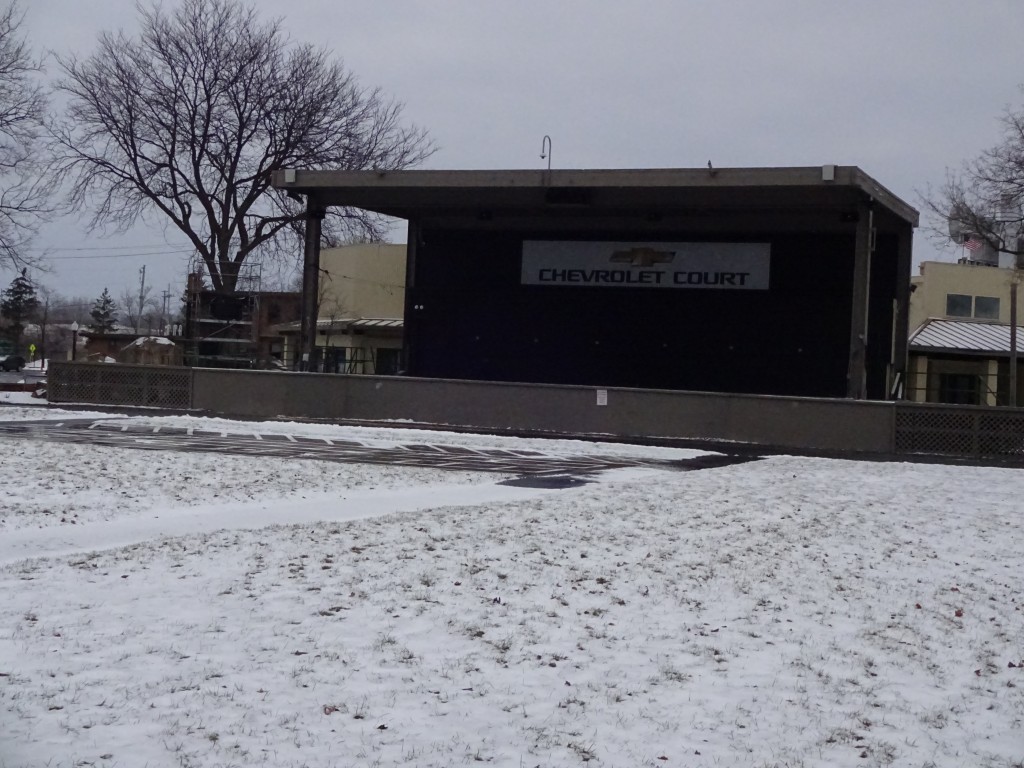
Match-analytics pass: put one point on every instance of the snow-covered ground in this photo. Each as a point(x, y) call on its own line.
point(182, 609)
point(9, 410)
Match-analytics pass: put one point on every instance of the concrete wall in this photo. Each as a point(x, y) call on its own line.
point(801, 424)
point(808, 424)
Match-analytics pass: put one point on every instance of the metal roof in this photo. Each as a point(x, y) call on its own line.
point(964, 336)
point(382, 322)
point(343, 324)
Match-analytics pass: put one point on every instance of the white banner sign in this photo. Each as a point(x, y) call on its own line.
point(730, 266)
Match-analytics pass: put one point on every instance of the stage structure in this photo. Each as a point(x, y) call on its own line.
point(785, 281)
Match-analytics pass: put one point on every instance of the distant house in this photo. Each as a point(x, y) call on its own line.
point(959, 345)
point(98, 347)
point(151, 350)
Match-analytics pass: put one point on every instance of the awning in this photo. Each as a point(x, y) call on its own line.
point(390, 325)
point(969, 337)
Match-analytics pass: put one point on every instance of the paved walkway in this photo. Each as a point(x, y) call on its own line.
point(517, 462)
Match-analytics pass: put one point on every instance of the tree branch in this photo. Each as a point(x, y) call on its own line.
point(190, 118)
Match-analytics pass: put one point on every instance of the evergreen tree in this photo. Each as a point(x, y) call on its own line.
point(103, 313)
point(17, 304)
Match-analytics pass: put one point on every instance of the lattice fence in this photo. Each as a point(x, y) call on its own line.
point(112, 384)
point(970, 432)
point(1001, 434)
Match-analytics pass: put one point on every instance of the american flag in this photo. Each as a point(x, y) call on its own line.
point(973, 244)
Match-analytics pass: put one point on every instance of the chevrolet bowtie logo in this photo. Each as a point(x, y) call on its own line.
point(643, 257)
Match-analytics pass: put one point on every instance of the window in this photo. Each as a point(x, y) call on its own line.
point(332, 359)
point(958, 305)
point(959, 388)
point(986, 307)
point(388, 361)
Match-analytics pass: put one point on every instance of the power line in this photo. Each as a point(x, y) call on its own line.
point(117, 255)
point(136, 246)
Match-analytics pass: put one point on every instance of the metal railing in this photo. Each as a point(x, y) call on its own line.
point(960, 389)
point(116, 384)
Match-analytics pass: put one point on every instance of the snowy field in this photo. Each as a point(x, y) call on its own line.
point(181, 609)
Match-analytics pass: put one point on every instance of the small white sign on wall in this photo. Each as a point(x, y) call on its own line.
point(602, 397)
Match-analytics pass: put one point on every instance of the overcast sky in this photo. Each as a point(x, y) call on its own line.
point(902, 88)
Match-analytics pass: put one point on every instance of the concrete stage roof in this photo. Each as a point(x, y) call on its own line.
point(418, 194)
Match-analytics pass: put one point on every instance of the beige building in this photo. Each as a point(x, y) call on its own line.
point(960, 290)
point(959, 347)
point(362, 305)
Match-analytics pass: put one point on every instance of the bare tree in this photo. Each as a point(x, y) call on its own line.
point(53, 315)
point(984, 200)
point(139, 307)
point(66, 309)
point(24, 189)
point(189, 118)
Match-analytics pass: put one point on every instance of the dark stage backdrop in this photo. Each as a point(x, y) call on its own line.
point(469, 317)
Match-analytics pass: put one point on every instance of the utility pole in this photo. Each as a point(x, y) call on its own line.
point(42, 329)
point(142, 298)
point(1013, 342)
point(164, 314)
point(1014, 282)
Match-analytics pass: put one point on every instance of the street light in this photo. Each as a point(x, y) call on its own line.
point(74, 339)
